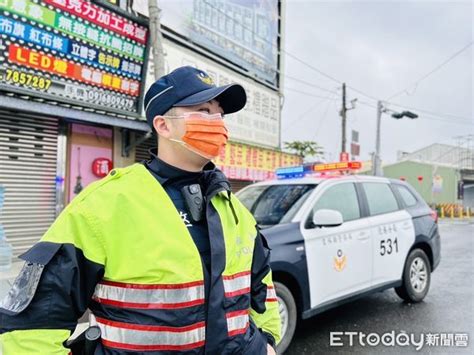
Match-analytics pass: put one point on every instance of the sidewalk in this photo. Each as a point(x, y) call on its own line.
point(448, 221)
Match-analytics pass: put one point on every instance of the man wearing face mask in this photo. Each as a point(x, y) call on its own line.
point(162, 253)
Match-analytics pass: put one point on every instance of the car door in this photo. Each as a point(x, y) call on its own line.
point(338, 258)
point(392, 232)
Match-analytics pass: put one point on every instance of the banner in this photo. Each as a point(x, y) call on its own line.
point(259, 122)
point(72, 51)
point(437, 186)
point(244, 32)
point(244, 162)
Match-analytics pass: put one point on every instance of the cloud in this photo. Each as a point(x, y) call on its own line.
point(379, 48)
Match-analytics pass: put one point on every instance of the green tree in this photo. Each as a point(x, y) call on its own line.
point(305, 148)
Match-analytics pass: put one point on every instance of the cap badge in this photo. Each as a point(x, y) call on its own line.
point(205, 78)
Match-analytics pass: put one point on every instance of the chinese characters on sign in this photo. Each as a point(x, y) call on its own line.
point(243, 162)
point(101, 167)
point(72, 51)
point(259, 122)
point(245, 33)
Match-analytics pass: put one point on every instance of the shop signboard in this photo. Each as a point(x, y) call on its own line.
point(259, 122)
point(244, 32)
point(73, 51)
point(244, 162)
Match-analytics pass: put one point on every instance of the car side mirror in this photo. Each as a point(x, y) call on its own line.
point(327, 218)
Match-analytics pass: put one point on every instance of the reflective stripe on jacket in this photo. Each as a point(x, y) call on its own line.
point(147, 290)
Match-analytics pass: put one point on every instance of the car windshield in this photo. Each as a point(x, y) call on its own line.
point(274, 204)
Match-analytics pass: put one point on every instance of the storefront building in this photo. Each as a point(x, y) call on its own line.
point(70, 91)
point(72, 79)
point(233, 42)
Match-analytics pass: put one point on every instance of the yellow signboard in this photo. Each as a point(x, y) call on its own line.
point(245, 162)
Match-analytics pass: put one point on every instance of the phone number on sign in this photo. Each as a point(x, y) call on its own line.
point(26, 79)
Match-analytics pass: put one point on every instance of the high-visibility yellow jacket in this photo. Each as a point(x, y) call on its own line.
point(121, 249)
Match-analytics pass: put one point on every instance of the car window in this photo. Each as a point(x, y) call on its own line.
point(406, 195)
point(249, 196)
point(380, 198)
point(295, 208)
point(275, 202)
point(342, 198)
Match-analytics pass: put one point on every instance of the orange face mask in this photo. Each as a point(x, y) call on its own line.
point(205, 134)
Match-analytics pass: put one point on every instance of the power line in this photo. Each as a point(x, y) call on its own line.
point(308, 93)
point(366, 104)
point(308, 83)
point(431, 112)
point(362, 93)
point(320, 71)
point(280, 51)
point(287, 76)
point(322, 120)
point(312, 107)
point(437, 117)
point(415, 84)
point(311, 67)
point(328, 76)
point(448, 121)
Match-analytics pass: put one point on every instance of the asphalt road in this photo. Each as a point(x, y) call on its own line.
point(448, 308)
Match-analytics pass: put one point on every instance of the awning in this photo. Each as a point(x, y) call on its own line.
point(70, 114)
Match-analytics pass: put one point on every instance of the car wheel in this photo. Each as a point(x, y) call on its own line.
point(416, 277)
point(288, 315)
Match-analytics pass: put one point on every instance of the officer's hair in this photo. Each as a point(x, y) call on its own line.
point(170, 112)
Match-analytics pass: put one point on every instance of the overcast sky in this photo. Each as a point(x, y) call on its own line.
point(379, 48)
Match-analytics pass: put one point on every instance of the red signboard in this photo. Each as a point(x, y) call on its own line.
point(101, 167)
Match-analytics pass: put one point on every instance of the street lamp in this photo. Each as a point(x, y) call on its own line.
point(377, 162)
point(409, 114)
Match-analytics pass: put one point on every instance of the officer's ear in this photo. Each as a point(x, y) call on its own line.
point(162, 126)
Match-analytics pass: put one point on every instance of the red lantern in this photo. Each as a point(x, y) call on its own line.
point(101, 167)
point(420, 178)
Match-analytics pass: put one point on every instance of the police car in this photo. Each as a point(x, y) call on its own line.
point(337, 238)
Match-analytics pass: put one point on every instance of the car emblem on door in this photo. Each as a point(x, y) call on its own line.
point(339, 261)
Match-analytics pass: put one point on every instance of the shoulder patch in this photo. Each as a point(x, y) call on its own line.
point(24, 287)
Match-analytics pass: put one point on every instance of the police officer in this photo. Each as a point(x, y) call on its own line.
point(166, 258)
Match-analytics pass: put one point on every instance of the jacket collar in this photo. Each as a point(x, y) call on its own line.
point(211, 177)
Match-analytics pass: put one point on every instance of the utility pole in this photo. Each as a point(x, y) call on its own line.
point(343, 114)
point(344, 118)
point(376, 164)
point(156, 39)
point(376, 161)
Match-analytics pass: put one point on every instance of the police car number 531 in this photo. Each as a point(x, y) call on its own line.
point(386, 246)
point(339, 238)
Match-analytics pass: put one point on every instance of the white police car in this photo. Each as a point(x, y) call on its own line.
point(335, 239)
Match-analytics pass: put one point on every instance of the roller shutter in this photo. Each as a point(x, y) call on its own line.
point(28, 155)
point(141, 152)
